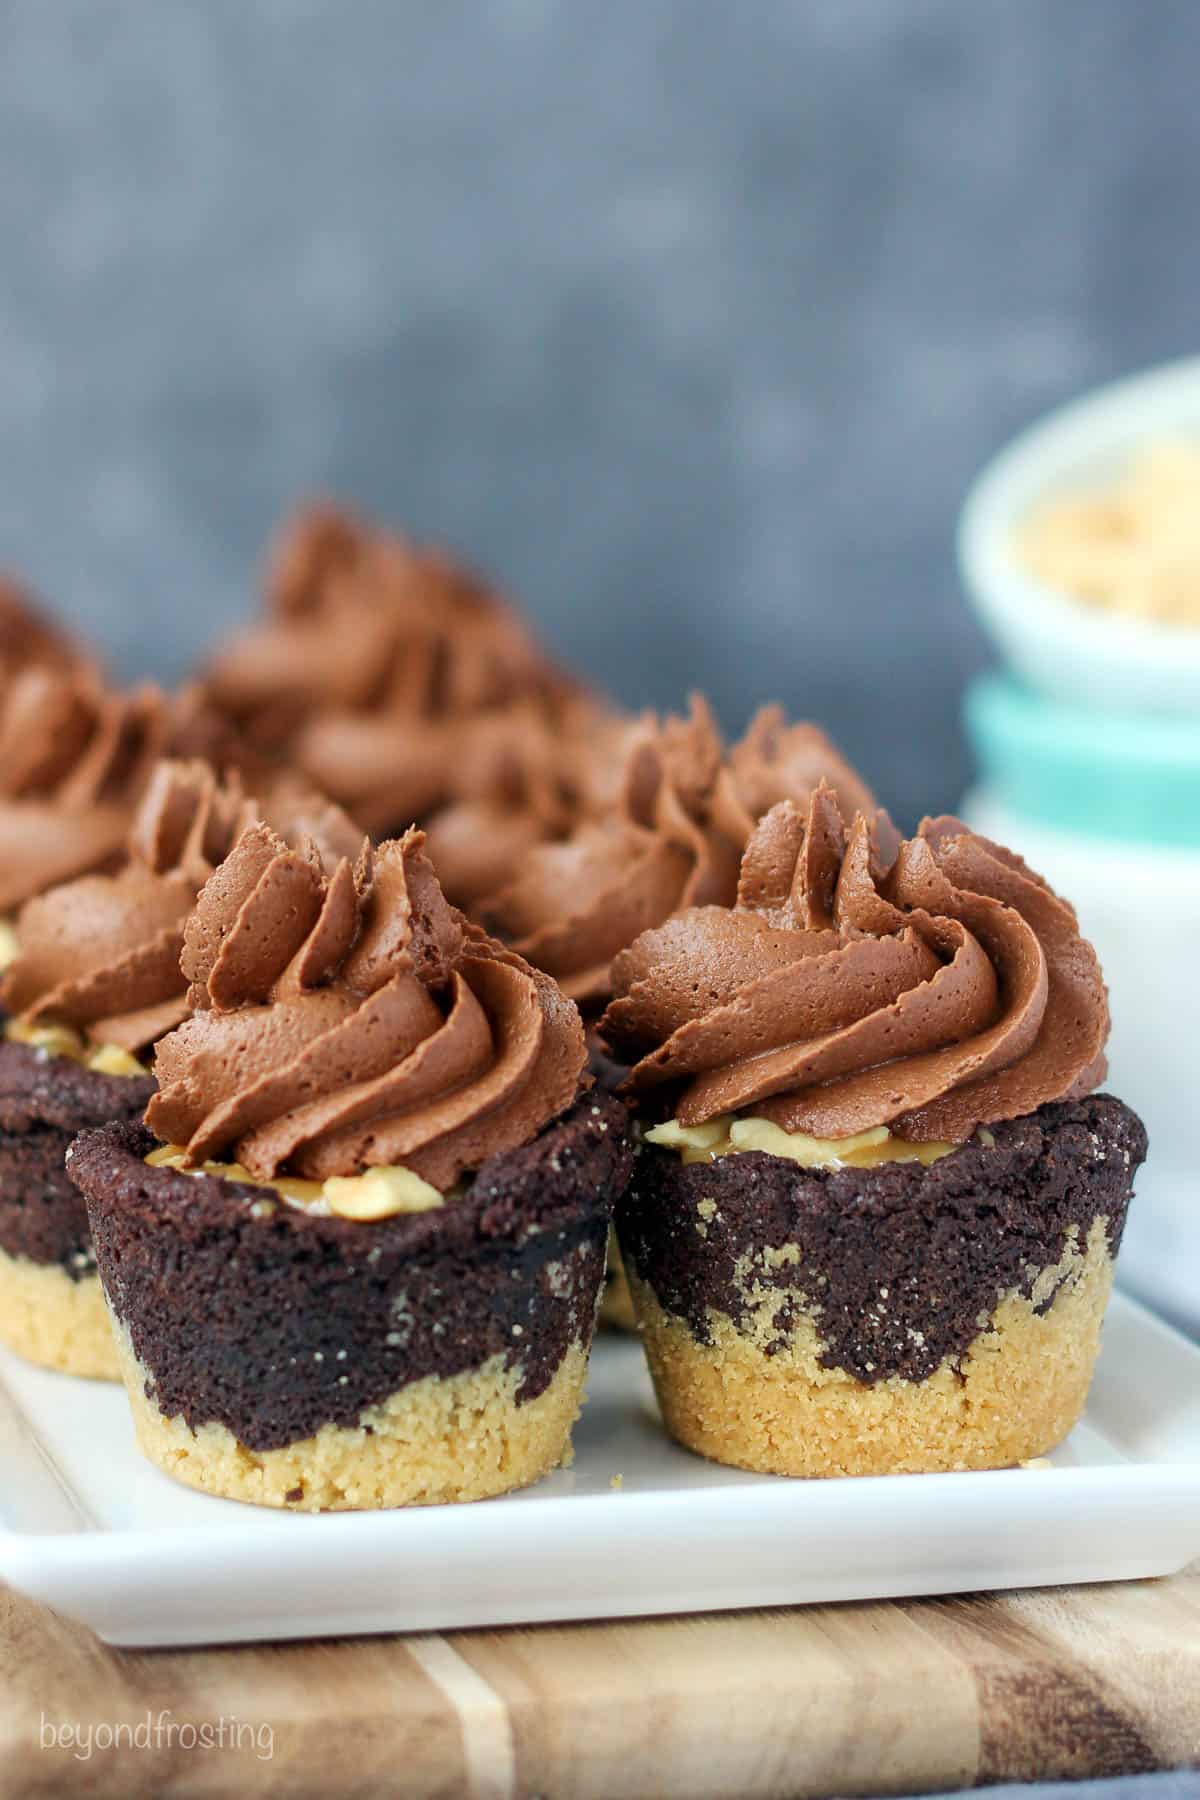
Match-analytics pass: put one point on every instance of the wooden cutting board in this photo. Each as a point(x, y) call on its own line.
point(867, 1698)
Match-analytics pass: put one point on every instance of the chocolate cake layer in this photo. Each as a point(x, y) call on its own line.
point(900, 1263)
point(42, 1215)
point(44, 1101)
point(36, 1089)
point(274, 1326)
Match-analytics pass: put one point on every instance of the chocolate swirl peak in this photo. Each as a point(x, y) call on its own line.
point(576, 904)
point(338, 600)
point(452, 644)
point(931, 985)
point(74, 758)
point(351, 1019)
point(681, 813)
point(28, 637)
point(776, 761)
point(374, 652)
point(513, 789)
point(101, 953)
point(524, 775)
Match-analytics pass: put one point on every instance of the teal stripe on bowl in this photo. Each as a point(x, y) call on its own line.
point(1094, 773)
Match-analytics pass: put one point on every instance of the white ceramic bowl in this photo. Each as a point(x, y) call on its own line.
point(1065, 648)
point(1139, 905)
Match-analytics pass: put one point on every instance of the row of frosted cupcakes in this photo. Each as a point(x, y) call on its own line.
point(837, 1088)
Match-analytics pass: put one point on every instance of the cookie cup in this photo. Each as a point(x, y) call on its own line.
point(289, 1359)
point(887, 1320)
point(52, 1309)
point(616, 1302)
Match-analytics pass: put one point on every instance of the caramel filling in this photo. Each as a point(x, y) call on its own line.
point(380, 1193)
point(62, 1040)
point(727, 1134)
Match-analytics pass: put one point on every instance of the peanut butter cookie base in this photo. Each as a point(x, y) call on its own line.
point(616, 1301)
point(1015, 1394)
point(440, 1439)
point(49, 1319)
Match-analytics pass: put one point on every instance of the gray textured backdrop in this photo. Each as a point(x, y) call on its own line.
point(689, 320)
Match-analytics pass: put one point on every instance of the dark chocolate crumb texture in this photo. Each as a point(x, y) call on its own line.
point(899, 1263)
point(353, 1259)
point(44, 1102)
point(280, 1321)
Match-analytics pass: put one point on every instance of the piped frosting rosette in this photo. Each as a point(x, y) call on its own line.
point(931, 985)
point(671, 839)
point(351, 1019)
point(28, 637)
point(431, 636)
point(101, 954)
point(521, 776)
point(575, 904)
point(776, 761)
point(74, 757)
point(374, 653)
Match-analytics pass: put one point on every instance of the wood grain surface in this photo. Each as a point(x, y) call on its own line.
point(870, 1698)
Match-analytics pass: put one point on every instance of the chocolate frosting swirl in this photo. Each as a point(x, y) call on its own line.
point(374, 653)
point(776, 761)
point(576, 904)
point(931, 985)
point(75, 757)
point(671, 839)
point(350, 1019)
point(523, 776)
point(28, 637)
point(101, 953)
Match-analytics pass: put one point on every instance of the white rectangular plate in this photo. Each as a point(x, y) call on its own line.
point(636, 1526)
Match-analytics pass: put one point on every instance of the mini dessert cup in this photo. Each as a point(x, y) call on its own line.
point(323, 1363)
point(669, 822)
point(51, 1303)
point(92, 980)
point(354, 1261)
point(872, 1223)
point(869, 1321)
point(74, 756)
